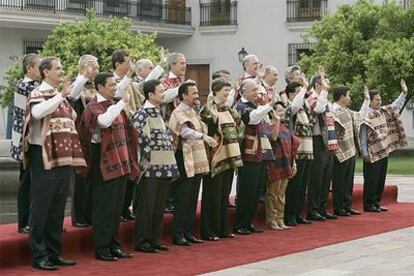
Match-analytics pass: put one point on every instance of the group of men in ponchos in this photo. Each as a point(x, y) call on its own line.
point(132, 144)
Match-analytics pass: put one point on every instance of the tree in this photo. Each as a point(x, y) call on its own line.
point(69, 41)
point(365, 43)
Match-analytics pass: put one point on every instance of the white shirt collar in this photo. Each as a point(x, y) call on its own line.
point(244, 100)
point(336, 106)
point(44, 86)
point(247, 75)
point(100, 98)
point(171, 75)
point(26, 79)
point(147, 104)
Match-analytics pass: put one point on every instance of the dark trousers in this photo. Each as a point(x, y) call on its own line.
point(320, 166)
point(343, 183)
point(250, 177)
point(296, 190)
point(374, 182)
point(214, 204)
point(129, 195)
point(49, 190)
point(326, 182)
point(23, 197)
point(107, 203)
point(151, 195)
point(81, 200)
point(185, 200)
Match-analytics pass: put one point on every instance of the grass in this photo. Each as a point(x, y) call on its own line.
point(399, 165)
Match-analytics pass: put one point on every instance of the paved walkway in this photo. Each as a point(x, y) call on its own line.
point(390, 253)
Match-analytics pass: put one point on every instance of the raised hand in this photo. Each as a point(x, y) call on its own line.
point(404, 87)
point(304, 80)
point(89, 71)
point(366, 92)
point(66, 85)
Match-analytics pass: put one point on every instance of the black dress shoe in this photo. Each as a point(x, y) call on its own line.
point(242, 231)
point(302, 220)
point(316, 217)
point(24, 230)
point(120, 254)
point(169, 209)
point(211, 238)
point(128, 216)
point(255, 229)
point(146, 248)
point(291, 222)
point(262, 200)
point(341, 213)
point(161, 247)
point(228, 236)
point(80, 225)
point(382, 208)
point(44, 265)
point(353, 212)
point(59, 261)
point(372, 209)
point(328, 215)
point(181, 242)
point(193, 239)
point(106, 257)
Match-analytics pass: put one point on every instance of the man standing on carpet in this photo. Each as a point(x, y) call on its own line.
point(51, 146)
point(256, 151)
point(113, 158)
point(347, 128)
point(324, 143)
point(190, 134)
point(124, 68)
point(31, 80)
point(303, 123)
point(381, 133)
point(81, 191)
point(158, 166)
point(177, 65)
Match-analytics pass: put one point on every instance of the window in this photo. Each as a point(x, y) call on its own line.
point(306, 10)
point(297, 50)
point(32, 46)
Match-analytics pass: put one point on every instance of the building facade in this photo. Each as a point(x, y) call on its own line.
point(211, 33)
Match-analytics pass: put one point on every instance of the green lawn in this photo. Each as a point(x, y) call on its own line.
point(401, 165)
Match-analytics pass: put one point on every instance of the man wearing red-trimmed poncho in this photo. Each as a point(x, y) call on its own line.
point(112, 159)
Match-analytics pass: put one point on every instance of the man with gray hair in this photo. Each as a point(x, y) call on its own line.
point(251, 67)
point(84, 92)
point(31, 80)
point(145, 70)
point(177, 64)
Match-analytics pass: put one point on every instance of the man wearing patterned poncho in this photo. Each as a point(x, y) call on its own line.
point(24, 87)
point(158, 167)
point(324, 143)
point(347, 124)
point(113, 159)
point(256, 152)
point(223, 123)
point(51, 146)
point(381, 133)
point(190, 134)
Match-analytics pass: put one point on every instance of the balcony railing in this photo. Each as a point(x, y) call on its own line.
point(306, 10)
point(159, 13)
point(220, 12)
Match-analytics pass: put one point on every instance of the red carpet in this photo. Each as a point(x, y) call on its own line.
point(210, 256)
